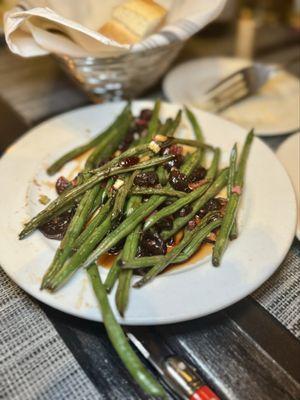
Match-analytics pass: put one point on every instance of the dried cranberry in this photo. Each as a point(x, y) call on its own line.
point(183, 212)
point(201, 213)
point(62, 184)
point(191, 225)
point(103, 162)
point(176, 162)
point(116, 248)
point(215, 204)
point(197, 175)
point(147, 179)
point(103, 183)
point(175, 150)
point(146, 114)
point(198, 184)
point(141, 122)
point(116, 222)
point(129, 138)
point(129, 161)
point(56, 227)
point(166, 203)
point(178, 181)
point(152, 245)
point(165, 223)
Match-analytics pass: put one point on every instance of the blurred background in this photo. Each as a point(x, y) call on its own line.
point(263, 30)
point(251, 29)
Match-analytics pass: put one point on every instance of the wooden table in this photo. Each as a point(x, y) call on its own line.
point(242, 351)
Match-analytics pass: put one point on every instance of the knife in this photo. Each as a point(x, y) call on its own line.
point(178, 374)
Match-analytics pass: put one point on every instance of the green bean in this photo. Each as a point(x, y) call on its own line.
point(74, 262)
point(153, 123)
point(191, 163)
point(123, 287)
point(197, 240)
point(213, 169)
point(127, 226)
point(170, 130)
point(139, 149)
point(58, 164)
point(122, 293)
point(232, 205)
point(177, 205)
point(129, 252)
point(111, 143)
point(119, 341)
point(92, 225)
point(207, 226)
point(213, 190)
point(113, 273)
point(190, 142)
point(66, 245)
point(187, 199)
point(162, 191)
point(166, 127)
point(196, 127)
point(107, 147)
point(170, 257)
point(122, 194)
point(65, 249)
point(98, 201)
point(142, 149)
point(66, 199)
point(107, 190)
point(232, 171)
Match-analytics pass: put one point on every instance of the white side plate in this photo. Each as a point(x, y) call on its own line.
point(289, 155)
point(274, 110)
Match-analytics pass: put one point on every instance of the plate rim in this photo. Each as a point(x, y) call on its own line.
point(162, 320)
point(278, 153)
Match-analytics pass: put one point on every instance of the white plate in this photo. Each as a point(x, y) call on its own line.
point(267, 223)
point(289, 154)
point(273, 111)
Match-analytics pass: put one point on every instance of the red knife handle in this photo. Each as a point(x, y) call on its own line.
point(204, 393)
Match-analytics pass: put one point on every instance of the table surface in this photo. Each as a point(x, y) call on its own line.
point(242, 352)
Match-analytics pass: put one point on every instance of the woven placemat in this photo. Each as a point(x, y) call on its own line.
point(280, 295)
point(34, 361)
point(36, 364)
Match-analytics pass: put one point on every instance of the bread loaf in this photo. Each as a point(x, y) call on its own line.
point(133, 20)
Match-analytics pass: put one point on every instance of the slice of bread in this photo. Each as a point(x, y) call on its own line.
point(117, 32)
point(141, 17)
point(133, 20)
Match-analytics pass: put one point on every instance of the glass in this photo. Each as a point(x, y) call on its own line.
point(125, 76)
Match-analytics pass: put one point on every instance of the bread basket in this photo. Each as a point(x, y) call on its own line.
point(123, 77)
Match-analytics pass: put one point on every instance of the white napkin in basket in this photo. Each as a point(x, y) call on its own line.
point(39, 27)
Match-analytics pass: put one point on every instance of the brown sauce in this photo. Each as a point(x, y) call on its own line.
point(106, 260)
point(79, 160)
point(204, 251)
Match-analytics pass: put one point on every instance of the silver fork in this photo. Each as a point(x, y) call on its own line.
point(237, 86)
